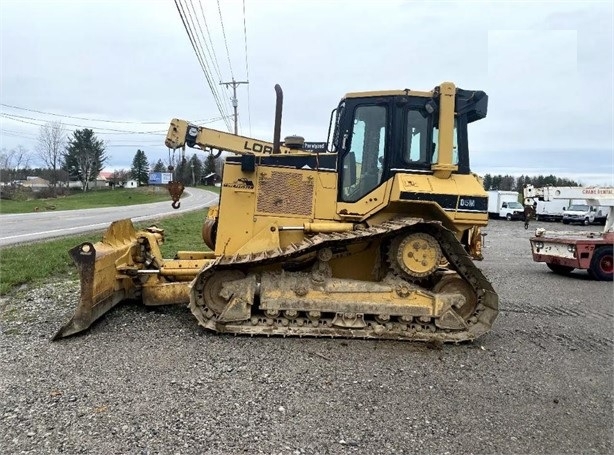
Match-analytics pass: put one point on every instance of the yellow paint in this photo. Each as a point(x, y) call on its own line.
point(444, 167)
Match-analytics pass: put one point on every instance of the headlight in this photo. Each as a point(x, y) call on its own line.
point(571, 248)
point(539, 245)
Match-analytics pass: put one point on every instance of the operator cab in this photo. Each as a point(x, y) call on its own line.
point(378, 134)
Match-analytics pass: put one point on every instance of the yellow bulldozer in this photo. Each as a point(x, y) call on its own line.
point(372, 234)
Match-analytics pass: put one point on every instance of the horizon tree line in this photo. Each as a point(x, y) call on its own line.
point(81, 156)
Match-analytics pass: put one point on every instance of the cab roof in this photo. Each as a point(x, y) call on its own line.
point(405, 92)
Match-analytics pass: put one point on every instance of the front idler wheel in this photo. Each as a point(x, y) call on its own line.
point(213, 286)
point(454, 284)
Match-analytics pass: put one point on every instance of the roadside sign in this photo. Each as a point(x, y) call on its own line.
point(160, 178)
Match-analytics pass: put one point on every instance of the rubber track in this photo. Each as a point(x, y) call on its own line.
point(479, 323)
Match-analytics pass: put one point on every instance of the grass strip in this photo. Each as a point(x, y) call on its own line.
point(25, 264)
point(89, 200)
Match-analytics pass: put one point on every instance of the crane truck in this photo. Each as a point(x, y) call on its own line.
point(563, 252)
point(372, 237)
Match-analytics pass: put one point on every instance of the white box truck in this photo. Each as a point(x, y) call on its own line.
point(504, 204)
point(551, 210)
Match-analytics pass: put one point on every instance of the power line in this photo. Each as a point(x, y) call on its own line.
point(31, 120)
point(199, 57)
point(96, 129)
point(135, 145)
point(219, 8)
point(209, 46)
point(4, 132)
point(198, 122)
point(203, 45)
point(249, 114)
point(80, 118)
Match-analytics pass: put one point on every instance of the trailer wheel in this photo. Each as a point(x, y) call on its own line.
point(536, 217)
point(602, 264)
point(560, 269)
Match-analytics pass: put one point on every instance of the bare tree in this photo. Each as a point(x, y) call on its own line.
point(120, 177)
point(21, 157)
point(13, 163)
point(50, 147)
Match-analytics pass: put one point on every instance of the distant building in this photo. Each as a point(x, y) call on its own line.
point(35, 183)
point(211, 179)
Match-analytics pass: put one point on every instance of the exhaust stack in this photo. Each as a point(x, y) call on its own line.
point(279, 100)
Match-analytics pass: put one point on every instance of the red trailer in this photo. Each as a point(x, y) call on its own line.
point(565, 251)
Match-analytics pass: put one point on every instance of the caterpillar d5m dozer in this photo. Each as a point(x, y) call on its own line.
point(369, 235)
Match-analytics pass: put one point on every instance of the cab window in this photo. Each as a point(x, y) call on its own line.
point(416, 149)
point(454, 145)
point(363, 164)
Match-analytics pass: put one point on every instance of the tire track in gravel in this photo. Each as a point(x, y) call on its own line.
point(557, 311)
point(573, 342)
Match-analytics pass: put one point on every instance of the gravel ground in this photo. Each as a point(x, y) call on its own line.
point(151, 381)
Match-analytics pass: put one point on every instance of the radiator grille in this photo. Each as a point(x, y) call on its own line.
point(285, 193)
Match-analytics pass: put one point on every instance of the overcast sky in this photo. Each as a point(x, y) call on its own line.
point(546, 66)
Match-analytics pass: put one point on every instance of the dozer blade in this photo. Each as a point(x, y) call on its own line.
point(103, 285)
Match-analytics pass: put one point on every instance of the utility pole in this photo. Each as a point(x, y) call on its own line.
point(235, 102)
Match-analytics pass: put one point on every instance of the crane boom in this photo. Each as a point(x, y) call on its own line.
point(182, 133)
point(594, 195)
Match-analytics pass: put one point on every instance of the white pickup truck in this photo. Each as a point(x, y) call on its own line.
point(585, 214)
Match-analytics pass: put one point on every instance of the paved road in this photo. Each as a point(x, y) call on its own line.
point(31, 227)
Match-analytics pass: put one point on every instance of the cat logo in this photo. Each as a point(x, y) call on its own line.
point(244, 184)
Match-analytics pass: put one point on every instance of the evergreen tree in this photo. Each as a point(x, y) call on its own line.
point(487, 182)
point(210, 164)
point(180, 173)
point(159, 167)
point(84, 157)
point(508, 182)
point(196, 166)
point(140, 168)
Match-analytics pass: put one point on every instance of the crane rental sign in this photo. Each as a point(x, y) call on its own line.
point(160, 178)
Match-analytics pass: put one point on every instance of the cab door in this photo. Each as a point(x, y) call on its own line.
point(365, 138)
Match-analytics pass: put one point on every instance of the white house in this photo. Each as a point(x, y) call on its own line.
point(36, 183)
